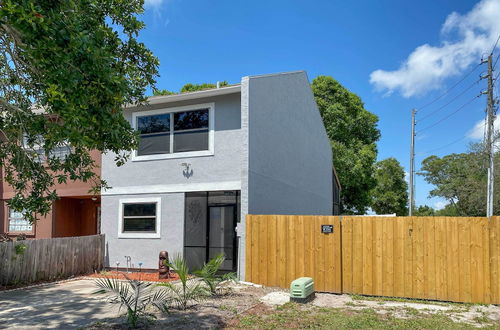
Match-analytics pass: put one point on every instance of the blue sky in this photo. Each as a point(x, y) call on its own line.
point(374, 48)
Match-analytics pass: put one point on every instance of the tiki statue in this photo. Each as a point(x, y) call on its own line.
point(163, 269)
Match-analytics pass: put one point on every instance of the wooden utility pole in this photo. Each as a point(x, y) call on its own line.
point(411, 199)
point(490, 143)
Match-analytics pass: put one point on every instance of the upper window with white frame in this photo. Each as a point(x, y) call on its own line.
point(174, 132)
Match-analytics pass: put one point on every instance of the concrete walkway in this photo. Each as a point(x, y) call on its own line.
point(63, 305)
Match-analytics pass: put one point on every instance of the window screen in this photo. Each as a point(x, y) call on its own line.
point(191, 130)
point(17, 222)
point(139, 217)
point(155, 134)
point(183, 131)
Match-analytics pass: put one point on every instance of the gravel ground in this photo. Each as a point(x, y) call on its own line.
point(224, 312)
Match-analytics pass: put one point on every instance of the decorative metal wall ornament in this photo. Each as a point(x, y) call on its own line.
point(188, 171)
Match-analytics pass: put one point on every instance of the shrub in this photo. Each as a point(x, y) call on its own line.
point(134, 295)
point(188, 290)
point(211, 276)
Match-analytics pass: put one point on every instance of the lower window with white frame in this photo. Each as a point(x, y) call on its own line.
point(140, 218)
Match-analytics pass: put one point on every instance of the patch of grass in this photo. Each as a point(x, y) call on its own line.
point(461, 306)
point(482, 319)
point(295, 316)
point(411, 311)
point(231, 309)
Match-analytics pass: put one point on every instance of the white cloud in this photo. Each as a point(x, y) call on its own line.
point(465, 38)
point(153, 3)
point(439, 205)
point(477, 132)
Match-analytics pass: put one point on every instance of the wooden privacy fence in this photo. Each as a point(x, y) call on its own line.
point(441, 258)
point(45, 259)
point(280, 248)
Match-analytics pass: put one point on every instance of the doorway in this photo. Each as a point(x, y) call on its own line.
point(210, 228)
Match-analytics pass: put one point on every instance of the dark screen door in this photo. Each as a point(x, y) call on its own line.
point(221, 238)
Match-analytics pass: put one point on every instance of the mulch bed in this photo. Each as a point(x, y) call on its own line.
point(141, 276)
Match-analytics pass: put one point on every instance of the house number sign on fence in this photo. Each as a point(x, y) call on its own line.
point(327, 229)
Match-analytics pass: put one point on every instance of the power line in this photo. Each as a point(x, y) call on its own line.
point(443, 147)
point(495, 45)
point(451, 88)
point(451, 101)
point(496, 60)
point(448, 116)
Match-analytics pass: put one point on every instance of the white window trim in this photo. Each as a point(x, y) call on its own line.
point(201, 153)
point(156, 200)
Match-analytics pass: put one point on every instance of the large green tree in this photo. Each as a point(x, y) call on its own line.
point(67, 67)
point(353, 134)
point(390, 194)
point(461, 180)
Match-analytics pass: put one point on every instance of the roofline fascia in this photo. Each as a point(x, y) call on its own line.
point(190, 96)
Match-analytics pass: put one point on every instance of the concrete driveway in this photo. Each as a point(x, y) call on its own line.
point(63, 305)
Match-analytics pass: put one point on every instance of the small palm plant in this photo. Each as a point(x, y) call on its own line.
point(188, 289)
point(209, 274)
point(136, 296)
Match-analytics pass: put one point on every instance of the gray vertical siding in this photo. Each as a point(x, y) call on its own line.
point(289, 160)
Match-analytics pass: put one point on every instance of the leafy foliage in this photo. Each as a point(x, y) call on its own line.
point(390, 195)
point(136, 296)
point(449, 210)
point(461, 179)
point(189, 289)
point(424, 211)
point(66, 69)
point(353, 133)
point(163, 92)
point(209, 274)
point(199, 87)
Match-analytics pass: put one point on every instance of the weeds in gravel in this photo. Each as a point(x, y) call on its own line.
point(297, 316)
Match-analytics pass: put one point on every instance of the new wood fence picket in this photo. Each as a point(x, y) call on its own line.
point(46, 259)
point(438, 258)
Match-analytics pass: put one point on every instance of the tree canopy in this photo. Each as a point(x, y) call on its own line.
point(390, 194)
point(353, 134)
point(66, 69)
point(189, 88)
point(461, 180)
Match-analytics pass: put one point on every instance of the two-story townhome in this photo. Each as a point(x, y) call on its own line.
point(208, 158)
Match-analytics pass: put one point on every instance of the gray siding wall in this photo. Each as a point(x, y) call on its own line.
point(155, 178)
point(289, 160)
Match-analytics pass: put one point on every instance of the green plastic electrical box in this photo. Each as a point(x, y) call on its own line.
point(302, 290)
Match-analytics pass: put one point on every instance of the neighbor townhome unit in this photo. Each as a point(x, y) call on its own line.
point(208, 158)
point(75, 213)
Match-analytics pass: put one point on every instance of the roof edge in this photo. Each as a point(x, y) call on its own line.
point(190, 96)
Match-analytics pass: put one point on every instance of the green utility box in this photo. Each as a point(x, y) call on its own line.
point(302, 290)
